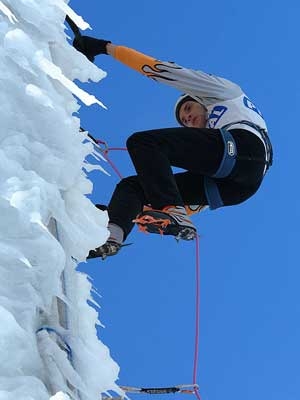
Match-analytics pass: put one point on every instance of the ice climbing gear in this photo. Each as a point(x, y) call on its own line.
point(171, 220)
point(186, 389)
point(226, 166)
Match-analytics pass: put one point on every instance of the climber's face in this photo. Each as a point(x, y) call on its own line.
point(193, 114)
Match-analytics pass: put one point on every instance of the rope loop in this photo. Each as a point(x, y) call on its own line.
point(105, 148)
point(187, 389)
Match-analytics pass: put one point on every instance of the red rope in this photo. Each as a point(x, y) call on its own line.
point(197, 294)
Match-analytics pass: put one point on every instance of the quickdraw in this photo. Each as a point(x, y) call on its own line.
point(183, 389)
point(186, 389)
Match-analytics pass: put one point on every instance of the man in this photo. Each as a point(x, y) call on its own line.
point(222, 145)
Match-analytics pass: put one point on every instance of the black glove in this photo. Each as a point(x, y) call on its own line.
point(90, 46)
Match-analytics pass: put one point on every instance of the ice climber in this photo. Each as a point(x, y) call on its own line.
point(222, 145)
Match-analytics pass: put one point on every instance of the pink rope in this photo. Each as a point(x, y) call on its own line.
point(112, 165)
point(105, 152)
point(197, 318)
point(197, 294)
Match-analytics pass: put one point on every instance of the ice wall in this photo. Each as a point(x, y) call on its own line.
point(47, 223)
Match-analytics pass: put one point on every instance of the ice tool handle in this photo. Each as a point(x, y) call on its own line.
point(73, 27)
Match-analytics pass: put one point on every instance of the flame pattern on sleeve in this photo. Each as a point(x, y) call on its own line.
point(146, 65)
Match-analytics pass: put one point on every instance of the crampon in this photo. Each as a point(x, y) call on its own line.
point(165, 222)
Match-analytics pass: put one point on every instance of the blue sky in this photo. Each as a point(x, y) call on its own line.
point(250, 306)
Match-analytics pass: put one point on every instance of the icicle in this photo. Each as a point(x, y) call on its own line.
point(8, 13)
point(55, 73)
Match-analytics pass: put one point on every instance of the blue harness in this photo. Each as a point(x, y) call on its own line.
point(228, 162)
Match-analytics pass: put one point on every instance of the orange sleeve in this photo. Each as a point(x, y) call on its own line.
point(136, 60)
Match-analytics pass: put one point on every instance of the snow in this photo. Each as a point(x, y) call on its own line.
point(48, 341)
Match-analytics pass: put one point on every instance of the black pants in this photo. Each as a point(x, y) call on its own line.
point(199, 152)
